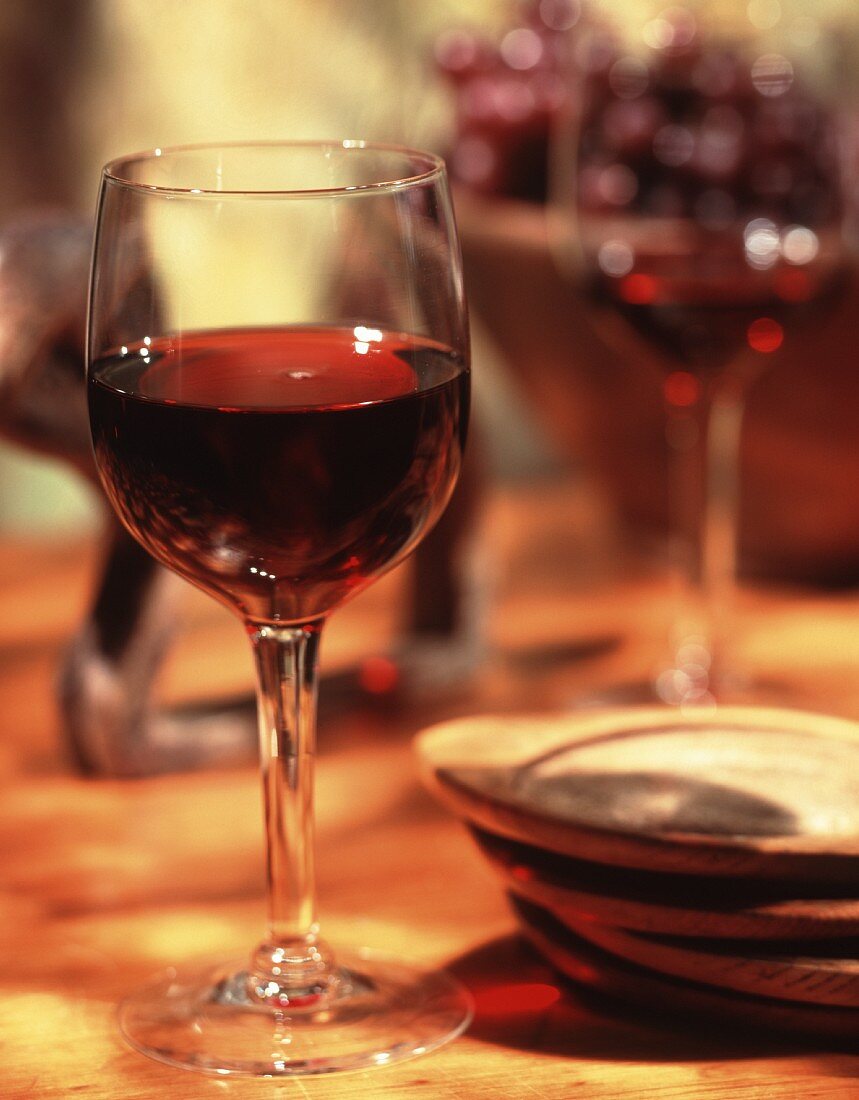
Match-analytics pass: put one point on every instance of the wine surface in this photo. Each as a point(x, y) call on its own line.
point(279, 469)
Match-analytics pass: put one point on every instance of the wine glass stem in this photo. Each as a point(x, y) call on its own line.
point(292, 966)
point(721, 516)
point(704, 447)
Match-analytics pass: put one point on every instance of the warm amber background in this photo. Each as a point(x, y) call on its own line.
point(83, 81)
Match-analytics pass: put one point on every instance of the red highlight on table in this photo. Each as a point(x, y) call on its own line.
point(515, 998)
point(379, 675)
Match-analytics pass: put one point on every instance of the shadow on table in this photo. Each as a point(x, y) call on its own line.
point(522, 1003)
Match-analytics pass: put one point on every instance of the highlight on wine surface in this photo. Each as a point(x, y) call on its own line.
point(278, 391)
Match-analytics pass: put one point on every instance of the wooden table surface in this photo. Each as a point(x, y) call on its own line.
point(103, 882)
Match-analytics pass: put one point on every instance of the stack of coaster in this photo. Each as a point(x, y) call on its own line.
point(705, 862)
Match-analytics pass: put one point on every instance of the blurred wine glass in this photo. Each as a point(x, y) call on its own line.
point(698, 174)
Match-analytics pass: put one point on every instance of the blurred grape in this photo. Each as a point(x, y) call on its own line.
point(508, 92)
point(688, 128)
point(707, 131)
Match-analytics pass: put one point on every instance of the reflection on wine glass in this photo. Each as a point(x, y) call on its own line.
point(705, 181)
point(278, 392)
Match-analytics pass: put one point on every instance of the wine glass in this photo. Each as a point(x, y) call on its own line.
point(701, 163)
point(278, 382)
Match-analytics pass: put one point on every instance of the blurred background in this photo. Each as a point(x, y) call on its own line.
point(481, 82)
point(82, 83)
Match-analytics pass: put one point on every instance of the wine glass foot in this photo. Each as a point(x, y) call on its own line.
point(386, 1011)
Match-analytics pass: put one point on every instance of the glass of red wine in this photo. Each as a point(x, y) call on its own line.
point(700, 175)
point(278, 380)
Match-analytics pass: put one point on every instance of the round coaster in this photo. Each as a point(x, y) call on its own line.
point(657, 994)
point(742, 792)
point(786, 976)
point(664, 903)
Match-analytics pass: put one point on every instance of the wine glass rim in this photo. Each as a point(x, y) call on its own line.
point(118, 170)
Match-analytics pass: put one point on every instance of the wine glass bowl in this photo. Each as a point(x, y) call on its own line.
point(278, 482)
point(704, 173)
point(278, 383)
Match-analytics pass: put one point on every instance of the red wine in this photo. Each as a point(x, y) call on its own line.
point(279, 469)
point(701, 320)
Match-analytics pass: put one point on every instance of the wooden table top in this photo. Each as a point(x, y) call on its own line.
point(103, 882)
